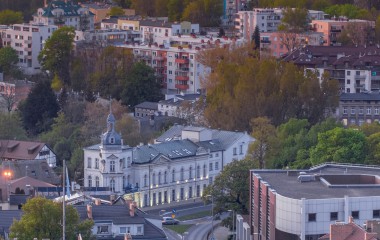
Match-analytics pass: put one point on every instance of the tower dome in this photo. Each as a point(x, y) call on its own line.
point(111, 137)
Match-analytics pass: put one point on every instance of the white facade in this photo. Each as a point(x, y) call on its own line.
point(28, 40)
point(292, 214)
point(166, 172)
point(65, 13)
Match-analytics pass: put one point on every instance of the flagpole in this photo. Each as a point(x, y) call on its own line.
point(64, 203)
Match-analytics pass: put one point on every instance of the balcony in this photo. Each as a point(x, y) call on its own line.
point(359, 85)
point(359, 77)
point(28, 49)
point(182, 60)
point(182, 78)
point(182, 86)
point(28, 57)
point(28, 41)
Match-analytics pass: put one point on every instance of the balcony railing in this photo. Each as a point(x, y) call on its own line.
point(182, 78)
point(181, 60)
point(359, 85)
point(359, 77)
point(182, 86)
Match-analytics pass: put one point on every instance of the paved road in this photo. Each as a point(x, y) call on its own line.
point(183, 210)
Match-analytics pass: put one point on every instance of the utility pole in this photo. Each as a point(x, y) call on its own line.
point(64, 202)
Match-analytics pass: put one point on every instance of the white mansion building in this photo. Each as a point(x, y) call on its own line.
point(186, 160)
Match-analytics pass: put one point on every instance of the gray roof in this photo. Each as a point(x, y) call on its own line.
point(360, 97)
point(224, 139)
point(288, 185)
point(148, 105)
point(155, 23)
point(6, 219)
point(173, 150)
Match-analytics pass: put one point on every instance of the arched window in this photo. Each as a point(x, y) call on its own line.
point(159, 178)
point(198, 171)
point(166, 177)
point(112, 166)
point(154, 178)
point(112, 185)
point(89, 181)
point(173, 175)
point(182, 174)
point(145, 180)
point(97, 181)
point(190, 172)
point(204, 170)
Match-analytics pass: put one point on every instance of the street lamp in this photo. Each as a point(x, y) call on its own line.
point(233, 223)
point(7, 175)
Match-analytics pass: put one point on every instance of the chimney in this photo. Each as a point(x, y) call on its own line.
point(45, 3)
point(89, 211)
point(131, 209)
point(350, 219)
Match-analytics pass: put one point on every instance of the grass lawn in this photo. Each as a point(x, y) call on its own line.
point(179, 228)
point(195, 215)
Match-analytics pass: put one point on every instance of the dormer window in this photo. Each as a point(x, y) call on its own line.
point(112, 140)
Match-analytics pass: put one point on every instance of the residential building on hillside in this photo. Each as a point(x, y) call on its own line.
point(359, 108)
point(13, 150)
point(332, 28)
point(230, 8)
point(275, 43)
point(108, 37)
point(165, 172)
point(176, 68)
point(102, 10)
point(356, 68)
point(28, 40)
point(65, 13)
point(146, 109)
point(352, 231)
point(302, 204)
point(267, 19)
point(172, 105)
point(12, 92)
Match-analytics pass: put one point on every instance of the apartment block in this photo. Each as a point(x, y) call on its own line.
point(302, 204)
point(332, 28)
point(357, 68)
point(28, 40)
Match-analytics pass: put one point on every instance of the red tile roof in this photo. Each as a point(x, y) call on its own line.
point(12, 149)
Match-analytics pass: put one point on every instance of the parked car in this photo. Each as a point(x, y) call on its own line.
point(169, 221)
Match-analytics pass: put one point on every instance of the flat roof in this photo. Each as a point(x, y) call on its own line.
point(285, 182)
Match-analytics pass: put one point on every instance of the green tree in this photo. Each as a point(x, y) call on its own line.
point(263, 131)
point(256, 37)
point(141, 85)
point(230, 189)
point(8, 17)
point(175, 9)
point(348, 10)
point(41, 219)
point(339, 145)
point(8, 60)
point(57, 54)
point(11, 127)
point(39, 109)
point(205, 12)
point(123, 3)
point(116, 11)
point(377, 30)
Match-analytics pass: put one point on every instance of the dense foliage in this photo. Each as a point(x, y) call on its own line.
point(41, 220)
point(242, 86)
point(8, 17)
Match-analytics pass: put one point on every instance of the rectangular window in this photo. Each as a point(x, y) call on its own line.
point(216, 165)
point(361, 110)
point(333, 216)
point(139, 230)
point(210, 167)
point(348, 73)
point(312, 217)
point(352, 110)
point(241, 149)
point(376, 111)
point(89, 162)
point(182, 193)
point(123, 229)
point(345, 110)
point(210, 180)
point(173, 195)
point(235, 151)
point(376, 213)
point(96, 163)
point(102, 229)
point(355, 214)
point(368, 110)
point(348, 81)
